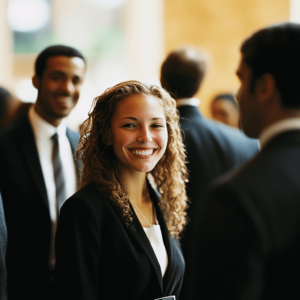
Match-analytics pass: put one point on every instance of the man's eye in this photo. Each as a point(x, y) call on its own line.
point(76, 81)
point(55, 77)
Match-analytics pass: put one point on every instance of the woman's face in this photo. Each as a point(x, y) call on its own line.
point(139, 133)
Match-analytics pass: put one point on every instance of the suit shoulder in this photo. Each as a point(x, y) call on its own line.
point(72, 133)
point(73, 136)
point(88, 196)
point(20, 130)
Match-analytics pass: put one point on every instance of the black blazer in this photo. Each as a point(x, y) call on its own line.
point(212, 149)
point(247, 245)
point(3, 245)
point(26, 210)
point(99, 257)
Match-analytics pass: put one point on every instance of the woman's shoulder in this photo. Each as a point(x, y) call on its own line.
point(88, 196)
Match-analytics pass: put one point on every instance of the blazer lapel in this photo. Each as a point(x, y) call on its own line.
point(73, 138)
point(137, 231)
point(166, 239)
point(28, 147)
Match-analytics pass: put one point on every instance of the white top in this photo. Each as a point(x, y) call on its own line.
point(188, 101)
point(156, 240)
point(279, 127)
point(43, 132)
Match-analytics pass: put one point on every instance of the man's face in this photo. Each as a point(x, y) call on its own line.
point(225, 111)
point(249, 106)
point(59, 87)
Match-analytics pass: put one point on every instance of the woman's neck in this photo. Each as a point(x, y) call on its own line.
point(135, 186)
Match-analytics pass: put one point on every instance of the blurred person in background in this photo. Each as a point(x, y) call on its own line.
point(212, 148)
point(11, 108)
point(225, 109)
point(117, 237)
point(3, 245)
point(39, 172)
point(247, 244)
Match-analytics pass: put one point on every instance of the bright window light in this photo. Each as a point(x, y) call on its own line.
point(110, 3)
point(25, 91)
point(28, 15)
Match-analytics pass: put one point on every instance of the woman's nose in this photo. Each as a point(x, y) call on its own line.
point(144, 136)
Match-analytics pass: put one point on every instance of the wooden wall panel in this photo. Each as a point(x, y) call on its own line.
point(218, 26)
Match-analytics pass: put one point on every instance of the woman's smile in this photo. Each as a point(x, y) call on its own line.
point(142, 152)
point(139, 133)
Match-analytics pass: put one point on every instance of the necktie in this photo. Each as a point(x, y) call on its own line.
point(58, 174)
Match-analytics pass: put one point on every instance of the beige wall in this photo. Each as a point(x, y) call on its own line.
point(218, 26)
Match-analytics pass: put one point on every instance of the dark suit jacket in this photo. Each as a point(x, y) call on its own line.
point(248, 242)
point(212, 149)
point(3, 244)
point(99, 257)
point(26, 210)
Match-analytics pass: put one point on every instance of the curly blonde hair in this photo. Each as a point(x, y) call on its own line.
point(99, 160)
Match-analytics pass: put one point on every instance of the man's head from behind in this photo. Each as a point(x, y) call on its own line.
point(182, 72)
point(269, 75)
point(59, 72)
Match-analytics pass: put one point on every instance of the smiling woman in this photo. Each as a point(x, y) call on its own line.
point(139, 133)
point(118, 224)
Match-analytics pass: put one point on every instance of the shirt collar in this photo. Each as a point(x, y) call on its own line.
point(279, 127)
point(188, 101)
point(42, 129)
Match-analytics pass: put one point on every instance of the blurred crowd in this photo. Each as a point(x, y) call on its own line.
point(152, 200)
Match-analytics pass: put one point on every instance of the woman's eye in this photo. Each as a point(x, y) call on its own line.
point(157, 125)
point(128, 125)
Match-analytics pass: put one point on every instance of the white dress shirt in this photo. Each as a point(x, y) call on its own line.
point(188, 101)
point(275, 129)
point(43, 132)
point(156, 240)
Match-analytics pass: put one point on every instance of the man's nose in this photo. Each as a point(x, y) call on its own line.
point(67, 87)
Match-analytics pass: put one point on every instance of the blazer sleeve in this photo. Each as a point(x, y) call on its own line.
point(78, 251)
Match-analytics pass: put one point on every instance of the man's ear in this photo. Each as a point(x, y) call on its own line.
point(266, 87)
point(35, 82)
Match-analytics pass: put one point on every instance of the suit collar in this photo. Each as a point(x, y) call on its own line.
point(277, 128)
point(187, 101)
point(188, 111)
point(73, 138)
point(42, 129)
point(27, 144)
point(287, 138)
point(29, 149)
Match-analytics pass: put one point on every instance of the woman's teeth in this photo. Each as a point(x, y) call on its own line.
point(142, 152)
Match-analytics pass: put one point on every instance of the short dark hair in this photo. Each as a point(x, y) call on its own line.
point(276, 51)
point(226, 96)
point(183, 70)
point(52, 51)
